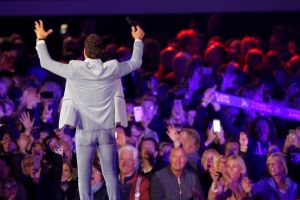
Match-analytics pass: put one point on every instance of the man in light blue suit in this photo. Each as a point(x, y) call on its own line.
point(91, 86)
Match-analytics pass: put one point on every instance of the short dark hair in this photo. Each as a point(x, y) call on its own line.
point(148, 139)
point(93, 46)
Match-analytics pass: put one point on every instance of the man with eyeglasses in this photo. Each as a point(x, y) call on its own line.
point(132, 185)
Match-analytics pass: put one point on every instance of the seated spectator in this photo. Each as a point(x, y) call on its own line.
point(131, 183)
point(277, 185)
point(137, 133)
point(190, 140)
point(68, 184)
point(42, 170)
point(232, 147)
point(164, 153)
point(148, 152)
point(10, 186)
point(262, 135)
point(229, 186)
point(176, 181)
point(8, 144)
point(151, 120)
point(97, 182)
point(207, 163)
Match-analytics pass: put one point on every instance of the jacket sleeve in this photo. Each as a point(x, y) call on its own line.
point(259, 187)
point(60, 69)
point(119, 69)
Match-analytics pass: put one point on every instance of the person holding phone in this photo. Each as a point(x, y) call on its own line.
point(91, 85)
point(227, 183)
point(215, 135)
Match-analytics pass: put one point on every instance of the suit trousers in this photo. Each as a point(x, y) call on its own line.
point(87, 142)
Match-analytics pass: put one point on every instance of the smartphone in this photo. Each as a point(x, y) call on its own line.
point(216, 159)
point(216, 125)
point(63, 29)
point(138, 113)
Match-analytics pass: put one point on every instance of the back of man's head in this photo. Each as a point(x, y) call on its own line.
point(93, 46)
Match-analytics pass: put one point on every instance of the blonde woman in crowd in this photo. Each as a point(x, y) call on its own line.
point(229, 186)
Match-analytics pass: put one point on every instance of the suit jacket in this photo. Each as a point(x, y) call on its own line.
point(68, 113)
point(120, 104)
point(90, 87)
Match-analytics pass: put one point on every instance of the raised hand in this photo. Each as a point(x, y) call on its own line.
point(211, 136)
point(221, 166)
point(214, 174)
point(244, 141)
point(246, 185)
point(27, 122)
point(209, 93)
point(39, 30)
point(172, 133)
point(220, 136)
point(137, 33)
point(228, 81)
point(35, 174)
point(121, 137)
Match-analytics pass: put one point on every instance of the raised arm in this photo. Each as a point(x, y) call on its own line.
point(123, 68)
point(47, 62)
point(40, 32)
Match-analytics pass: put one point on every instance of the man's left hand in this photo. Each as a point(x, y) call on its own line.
point(39, 30)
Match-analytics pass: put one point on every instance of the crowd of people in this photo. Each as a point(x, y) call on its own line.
point(170, 149)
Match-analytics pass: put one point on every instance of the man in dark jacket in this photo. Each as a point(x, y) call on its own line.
point(176, 181)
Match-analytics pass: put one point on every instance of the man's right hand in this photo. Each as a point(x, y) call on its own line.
point(137, 32)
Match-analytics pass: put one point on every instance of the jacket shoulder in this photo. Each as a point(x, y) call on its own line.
point(77, 63)
point(110, 62)
point(162, 173)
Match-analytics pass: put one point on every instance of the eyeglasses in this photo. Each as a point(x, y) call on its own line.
point(129, 160)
